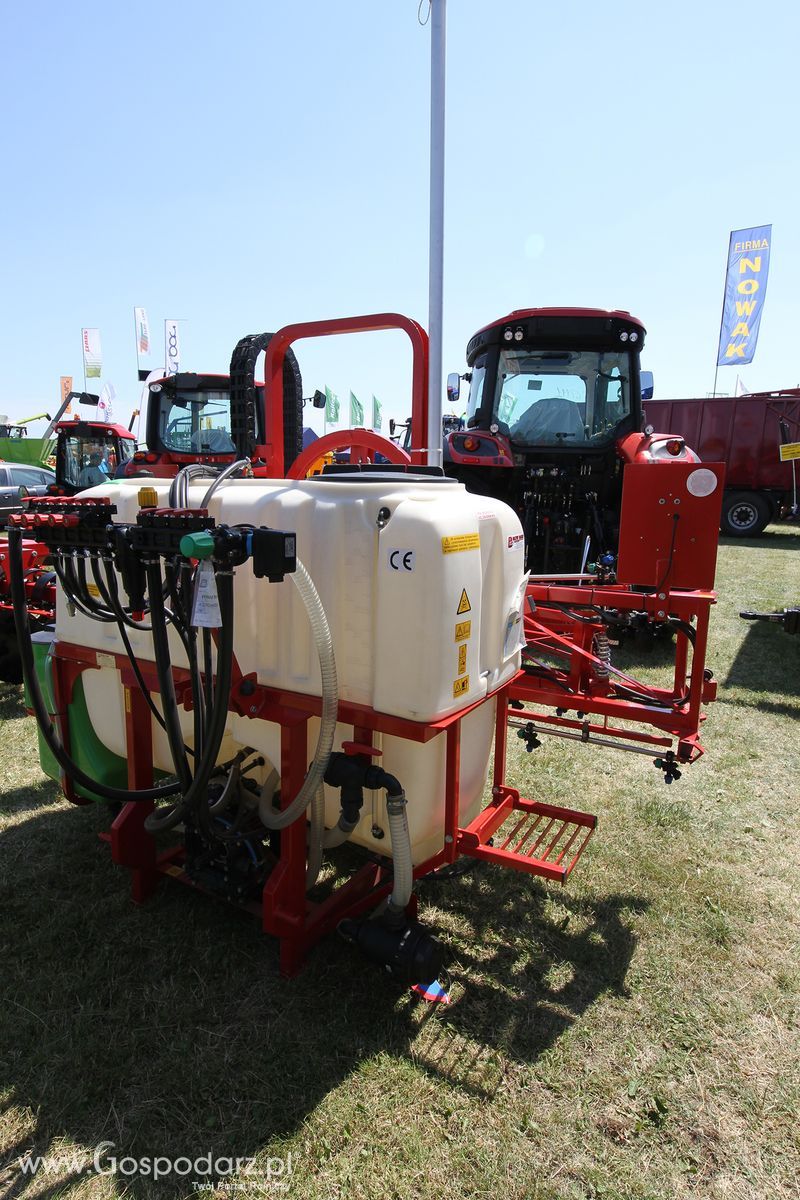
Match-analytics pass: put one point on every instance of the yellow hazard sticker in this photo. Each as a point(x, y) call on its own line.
point(460, 686)
point(127, 700)
point(463, 630)
point(463, 604)
point(789, 451)
point(462, 659)
point(93, 590)
point(462, 541)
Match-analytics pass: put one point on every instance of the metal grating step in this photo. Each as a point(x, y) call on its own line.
point(543, 839)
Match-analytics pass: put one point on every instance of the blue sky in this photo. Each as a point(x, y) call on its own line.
point(249, 166)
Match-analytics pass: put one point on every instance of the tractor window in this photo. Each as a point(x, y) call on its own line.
point(91, 457)
point(555, 398)
point(476, 386)
point(196, 422)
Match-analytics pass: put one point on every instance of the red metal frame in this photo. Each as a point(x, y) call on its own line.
point(286, 912)
point(550, 630)
point(272, 451)
point(362, 443)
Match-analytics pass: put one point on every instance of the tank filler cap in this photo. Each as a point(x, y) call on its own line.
point(147, 497)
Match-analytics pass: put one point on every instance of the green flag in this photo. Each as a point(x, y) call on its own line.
point(331, 406)
point(356, 411)
point(377, 415)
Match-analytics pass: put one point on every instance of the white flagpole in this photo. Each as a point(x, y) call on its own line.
point(436, 242)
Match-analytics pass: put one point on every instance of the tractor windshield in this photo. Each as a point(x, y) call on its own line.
point(86, 458)
point(196, 422)
point(553, 397)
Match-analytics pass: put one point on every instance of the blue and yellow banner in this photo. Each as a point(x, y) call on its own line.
point(745, 289)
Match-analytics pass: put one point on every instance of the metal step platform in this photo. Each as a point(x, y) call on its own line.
point(543, 839)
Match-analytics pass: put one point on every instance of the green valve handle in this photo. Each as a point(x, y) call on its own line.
point(197, 545)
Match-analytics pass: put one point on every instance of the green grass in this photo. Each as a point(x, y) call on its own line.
point(634, 1036)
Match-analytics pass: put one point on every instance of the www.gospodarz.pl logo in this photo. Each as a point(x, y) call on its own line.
point(206, 1171)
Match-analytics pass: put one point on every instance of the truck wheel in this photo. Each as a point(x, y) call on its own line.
point(744, 514)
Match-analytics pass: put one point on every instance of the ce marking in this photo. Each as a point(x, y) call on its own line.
point(401, 560)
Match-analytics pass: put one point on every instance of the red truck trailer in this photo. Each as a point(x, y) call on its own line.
point(744, 432)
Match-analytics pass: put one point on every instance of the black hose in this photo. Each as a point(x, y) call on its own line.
point(116, 604)
point(143, 688)
point(21, 624)
point(183, 612)
point(208, 674)
point(219, 715)
point(69, 583)
point(85, 596)
point(166, 682)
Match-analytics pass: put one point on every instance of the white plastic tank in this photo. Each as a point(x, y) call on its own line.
point(423, 586)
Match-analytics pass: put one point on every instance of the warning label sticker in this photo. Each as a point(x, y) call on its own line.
point(462, 659)
point(93, 590)
point(463, 631)
point(462, 541)
point(789, 451)
point(460, 686)
point(463, 604)
point(205, 602)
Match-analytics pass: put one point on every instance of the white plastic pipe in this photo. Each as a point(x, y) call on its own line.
point(330, 705)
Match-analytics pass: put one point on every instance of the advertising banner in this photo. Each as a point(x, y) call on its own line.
point(92, 354)
point(745, 289)
point(172, 346)
point(142, 332)
point(66, 388)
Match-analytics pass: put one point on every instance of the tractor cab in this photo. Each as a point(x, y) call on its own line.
point(217, 419)
point(553, 395)
point(88, 453)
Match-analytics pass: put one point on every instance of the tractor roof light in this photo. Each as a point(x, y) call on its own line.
point(623, 337)
point(519, 334)
point(508, 335)
point(634, 337)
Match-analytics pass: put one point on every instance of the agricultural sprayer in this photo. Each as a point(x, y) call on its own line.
point(219, 631)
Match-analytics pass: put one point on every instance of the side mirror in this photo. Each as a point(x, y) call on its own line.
point(392, 426)
point(453, 386)
point(646, 383)
point(318, 399)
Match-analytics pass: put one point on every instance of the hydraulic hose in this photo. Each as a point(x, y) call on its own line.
point(52, 740)
point(116, 603)
point(339, 834)
point(401, 849)
point(239, 465)
point(143, 688)
point(166, 683)
point(179, 488)
point(330, 706)
point(215, 730)
point(315, 836)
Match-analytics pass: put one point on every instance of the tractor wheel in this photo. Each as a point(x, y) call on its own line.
point(744, 514)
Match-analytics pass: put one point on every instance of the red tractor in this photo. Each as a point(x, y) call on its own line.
point(87, 453)
point(554, 416)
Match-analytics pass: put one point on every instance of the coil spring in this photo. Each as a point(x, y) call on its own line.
point(602, 650)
